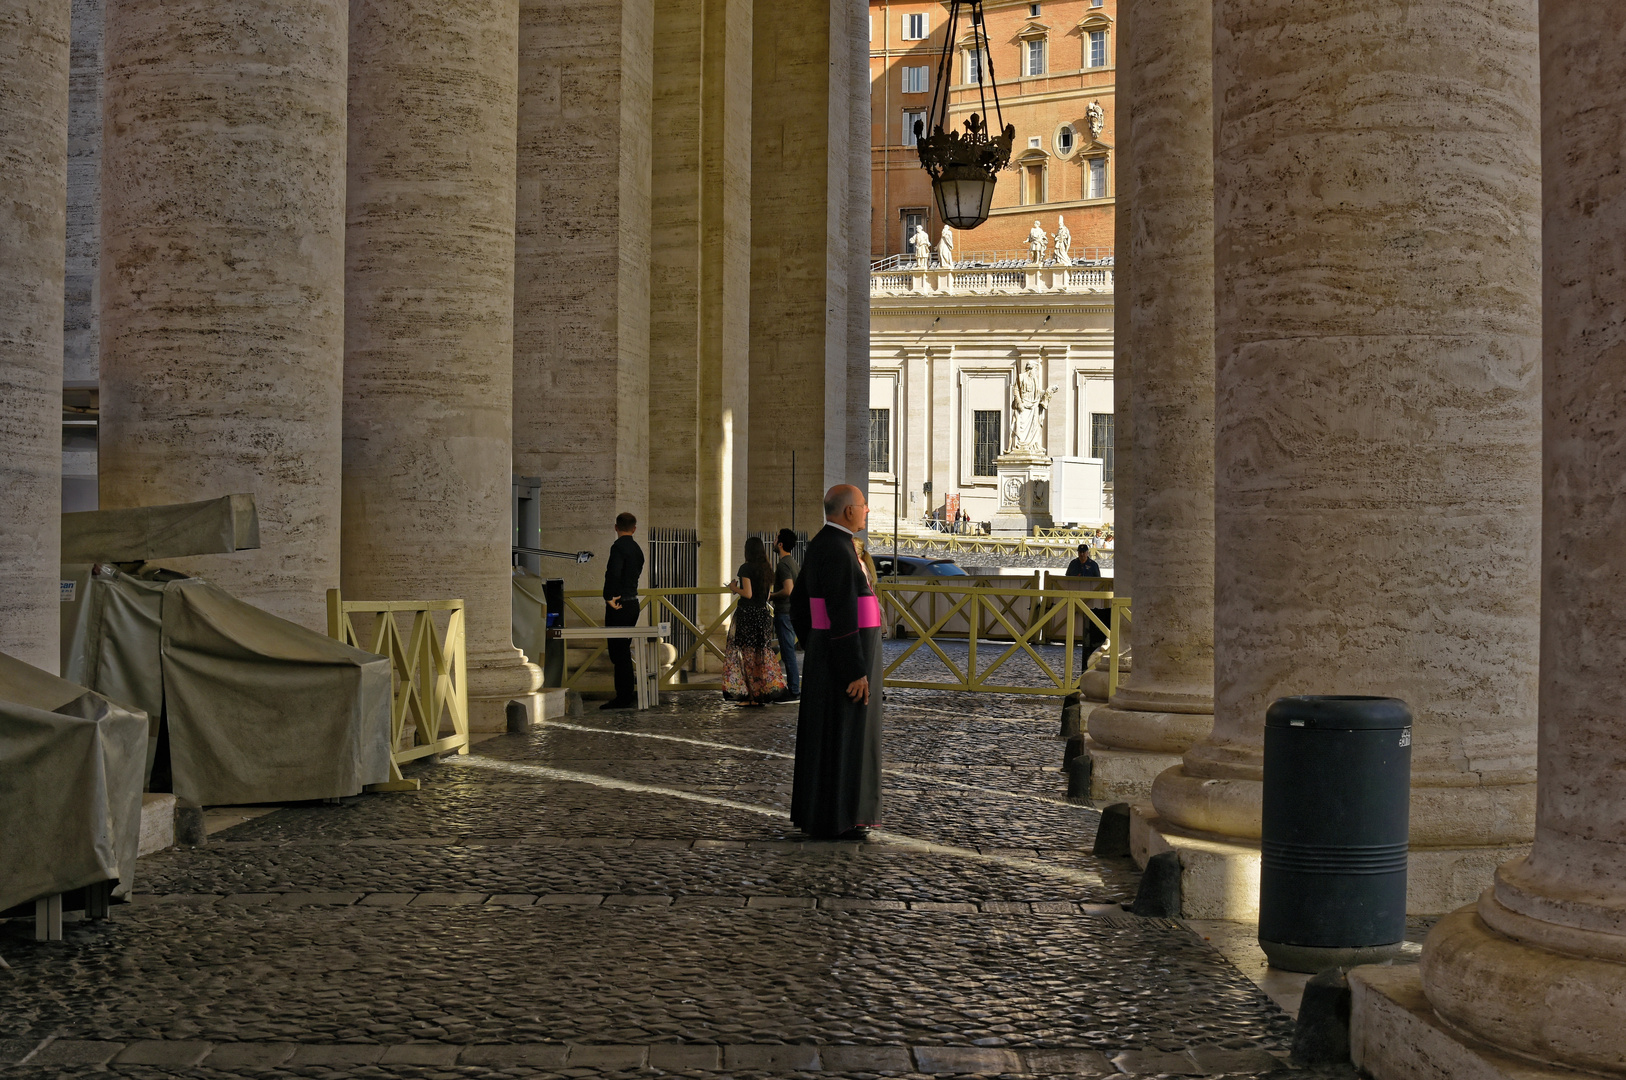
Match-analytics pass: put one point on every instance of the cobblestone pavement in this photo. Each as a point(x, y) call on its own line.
point(622, 895)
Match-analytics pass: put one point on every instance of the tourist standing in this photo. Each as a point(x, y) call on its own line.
point(784, 581)
point(751, 671)
point(1085, 566)
point(621, 574)
point(837, 788)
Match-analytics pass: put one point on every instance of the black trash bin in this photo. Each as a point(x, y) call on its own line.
point(1332, 882)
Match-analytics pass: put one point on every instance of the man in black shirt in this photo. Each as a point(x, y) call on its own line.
point(621, 575)
point(784, 583)
point(1084, 566)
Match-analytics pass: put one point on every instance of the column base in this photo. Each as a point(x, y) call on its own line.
point(1395, 1035)
point(1219, 876)
point(1124, 775)
point(494, 682)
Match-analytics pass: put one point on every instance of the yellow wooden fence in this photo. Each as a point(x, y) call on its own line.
point(1026, 617)
point(429, 674)
point(929, 611)
point(659, 605)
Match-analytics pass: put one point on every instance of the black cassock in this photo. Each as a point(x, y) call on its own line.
point(838, 741)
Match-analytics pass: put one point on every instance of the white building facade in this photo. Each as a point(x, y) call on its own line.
point(946, 347)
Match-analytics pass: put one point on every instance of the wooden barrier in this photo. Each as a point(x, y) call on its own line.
point(429, 674)
point(980, 606)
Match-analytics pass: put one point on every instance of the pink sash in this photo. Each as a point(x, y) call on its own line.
point(869, 613)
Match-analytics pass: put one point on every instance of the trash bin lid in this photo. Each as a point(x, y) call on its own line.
point(1338, 712)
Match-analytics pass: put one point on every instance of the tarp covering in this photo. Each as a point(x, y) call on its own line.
point(70, 806)
point(259, 709)
point(214, 526)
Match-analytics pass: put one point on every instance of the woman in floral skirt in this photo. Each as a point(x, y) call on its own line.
point(752, 673)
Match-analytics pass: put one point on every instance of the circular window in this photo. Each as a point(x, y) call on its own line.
point(1066, 140)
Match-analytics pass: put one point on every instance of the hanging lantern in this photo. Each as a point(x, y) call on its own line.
point(963, 166)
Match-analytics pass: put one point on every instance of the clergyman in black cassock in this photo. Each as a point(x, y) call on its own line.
point(838, 740)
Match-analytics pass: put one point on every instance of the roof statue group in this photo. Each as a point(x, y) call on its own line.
point(1039, 245)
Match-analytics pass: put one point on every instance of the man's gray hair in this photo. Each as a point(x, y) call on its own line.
point(839, 498)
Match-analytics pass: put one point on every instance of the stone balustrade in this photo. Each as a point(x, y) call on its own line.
point(987, 280)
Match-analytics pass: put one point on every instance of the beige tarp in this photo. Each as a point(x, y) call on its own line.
point(229, 523)
point(259, 709)
point(70, 803)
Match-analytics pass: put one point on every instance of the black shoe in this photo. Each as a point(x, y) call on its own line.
point(617, 703)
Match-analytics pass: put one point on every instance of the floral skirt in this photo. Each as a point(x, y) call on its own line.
point(752, 670)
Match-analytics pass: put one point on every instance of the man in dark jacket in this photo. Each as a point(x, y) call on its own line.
point(621, 575)
point(837, 790)
point(1084, 566)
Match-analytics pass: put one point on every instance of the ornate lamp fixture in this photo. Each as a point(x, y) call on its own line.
point(963, 166)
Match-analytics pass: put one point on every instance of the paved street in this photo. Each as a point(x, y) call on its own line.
point(623, 895)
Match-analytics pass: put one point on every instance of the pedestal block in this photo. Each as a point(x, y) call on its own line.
point(1024, 494)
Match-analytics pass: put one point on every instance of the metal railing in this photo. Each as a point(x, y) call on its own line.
point(1024, 617)
point(1016, 257)
point(994, 545)
point(428, 674)
point(1077, 533)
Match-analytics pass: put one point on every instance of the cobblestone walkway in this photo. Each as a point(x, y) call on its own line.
point(622, 895)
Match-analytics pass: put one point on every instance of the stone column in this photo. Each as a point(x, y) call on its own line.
point(429, 348)
point(222, 278)
point(700, 284)
point(81, 346)
point(1377, 414)
point(33, 201)
point(1167, 703)
point(581, 289)
point(807, 226)
point(1539, 966)
point(1093, 683)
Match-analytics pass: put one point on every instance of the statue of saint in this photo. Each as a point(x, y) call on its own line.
point(945, 248)
point(1028, 407)
point(1096, 118)
point(1064, 243)
point(1038, 240)
point(922, 245)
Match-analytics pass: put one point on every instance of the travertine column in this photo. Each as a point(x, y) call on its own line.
point(1167, 703)
point(1377, 405)
point(700, 278)
point(581, 288)
point(1540, 967)
point(81, 346)
point(810, 216)
point(429, 346)
point(33, 200)
point(222, 277)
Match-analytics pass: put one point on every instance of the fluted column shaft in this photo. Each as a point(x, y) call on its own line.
point(1377, 404)
point(429, 321)
point(1167, 702)
point(1540, 966)
point(33, 207)
point(222, 278)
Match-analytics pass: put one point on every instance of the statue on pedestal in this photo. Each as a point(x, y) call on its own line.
point(922, 245)
point(1064, 243)
point(1038, 240)
point(945, 248)
point(1029, 403)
